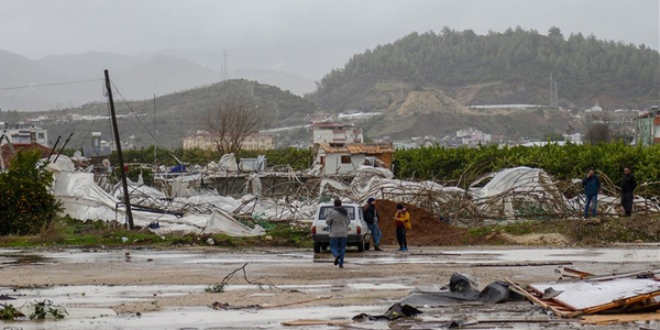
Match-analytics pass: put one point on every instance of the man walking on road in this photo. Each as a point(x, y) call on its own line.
point(371, 217)
point(628, 185)
point(338, 222)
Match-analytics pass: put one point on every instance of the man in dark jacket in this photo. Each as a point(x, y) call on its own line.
point(591, 185)
point(628, 185)
point(371, 217)
point(338, 221)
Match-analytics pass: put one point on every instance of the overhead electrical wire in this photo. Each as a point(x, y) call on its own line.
point(50, 84)
point(136, 115)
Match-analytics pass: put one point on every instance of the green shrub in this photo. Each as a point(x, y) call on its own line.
point(26, 206)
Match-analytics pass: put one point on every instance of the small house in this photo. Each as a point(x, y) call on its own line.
point(346, 159)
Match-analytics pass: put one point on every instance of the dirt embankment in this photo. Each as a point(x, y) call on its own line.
point(426, 228)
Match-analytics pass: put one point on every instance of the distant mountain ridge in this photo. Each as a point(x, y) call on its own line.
point(171, 117)
point(139, 77)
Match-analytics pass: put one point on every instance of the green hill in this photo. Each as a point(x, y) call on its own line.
point(176, 115)
point(498, 68)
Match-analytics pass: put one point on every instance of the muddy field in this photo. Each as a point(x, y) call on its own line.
point(151, 289)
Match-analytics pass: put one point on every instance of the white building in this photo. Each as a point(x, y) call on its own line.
point(208, 141)
point(23, 133)
point(472, 136)
point(346, 159)
point(336, 134)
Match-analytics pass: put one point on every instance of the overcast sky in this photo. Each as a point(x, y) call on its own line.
point(36, 28)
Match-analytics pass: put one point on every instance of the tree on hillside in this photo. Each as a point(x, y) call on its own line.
point(599, 129)
point(555, 32)
point(232, 122)
point(517, 63)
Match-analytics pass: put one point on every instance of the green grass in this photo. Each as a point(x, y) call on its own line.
point(71, 232)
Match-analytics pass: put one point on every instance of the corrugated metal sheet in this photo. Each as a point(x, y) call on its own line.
point(581, 295)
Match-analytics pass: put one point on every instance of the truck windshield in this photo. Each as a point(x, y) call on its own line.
point(325, 210)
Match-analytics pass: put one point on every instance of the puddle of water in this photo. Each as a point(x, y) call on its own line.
point(12, 259)
point(206, 318)
point(101, 296)
point(568, 255)
point(641, 255)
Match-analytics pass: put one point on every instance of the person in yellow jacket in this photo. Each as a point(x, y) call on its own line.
point(402, 222)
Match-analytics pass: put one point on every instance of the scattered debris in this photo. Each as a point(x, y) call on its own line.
point(220, 287)
point(462, 289)
point(632, 292)
point(395, 311)
point(315, 322)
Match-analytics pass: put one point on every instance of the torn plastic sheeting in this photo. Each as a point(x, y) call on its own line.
point(395, 311)
point(253, 185)
point(461, 290)
point(223, 222)
point(83, 199)
point(519, 179)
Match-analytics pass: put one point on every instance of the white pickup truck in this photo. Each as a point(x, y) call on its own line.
point(358, 231)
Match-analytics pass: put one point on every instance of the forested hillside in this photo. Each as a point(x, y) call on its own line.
point(174, 115)
point(498, 68)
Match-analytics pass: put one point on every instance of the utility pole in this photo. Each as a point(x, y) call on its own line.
point(127, 198)
point(155, 147)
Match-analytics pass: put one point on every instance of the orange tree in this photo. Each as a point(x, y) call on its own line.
point(26, 205)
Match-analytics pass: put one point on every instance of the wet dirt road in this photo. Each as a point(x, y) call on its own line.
point(154, 289)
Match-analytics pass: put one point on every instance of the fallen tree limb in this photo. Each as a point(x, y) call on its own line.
point(295, 303)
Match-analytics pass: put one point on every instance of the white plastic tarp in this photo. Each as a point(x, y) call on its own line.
point(82, 199)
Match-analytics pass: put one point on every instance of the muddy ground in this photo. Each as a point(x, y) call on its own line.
point(155, 289)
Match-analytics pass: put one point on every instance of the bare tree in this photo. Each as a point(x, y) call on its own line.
point(599, 129)
point(231, 123)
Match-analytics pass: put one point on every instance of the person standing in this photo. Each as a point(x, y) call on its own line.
point(628, 185)
point(591, 185)
point(402, 219)
point(338, 222)
point(371, 217)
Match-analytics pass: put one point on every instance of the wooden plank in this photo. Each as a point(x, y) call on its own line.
point(517, 289)
point(315, 322)
point(619, 318)
point(295, 302)
point(614, 304)
point(577, 272)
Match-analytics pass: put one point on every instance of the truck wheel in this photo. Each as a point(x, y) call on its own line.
point(361, 246)
point(317, 247)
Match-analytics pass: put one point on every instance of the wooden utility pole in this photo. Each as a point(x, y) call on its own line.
point(127, 198)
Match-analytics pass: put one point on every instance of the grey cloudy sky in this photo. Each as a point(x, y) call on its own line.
point(35, 28)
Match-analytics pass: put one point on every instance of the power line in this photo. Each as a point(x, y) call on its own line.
point(136, 115)
point(50, 84)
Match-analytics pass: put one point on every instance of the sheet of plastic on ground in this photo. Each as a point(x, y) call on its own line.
point(581, 295)
point(83, 199)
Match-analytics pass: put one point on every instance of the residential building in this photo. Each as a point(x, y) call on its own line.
point(98, 147)
point(22, 133)
point(206, 140)
point(346, 159)
point(647, 127)
point(336, 134)
point(8, 151)
point(472, 136)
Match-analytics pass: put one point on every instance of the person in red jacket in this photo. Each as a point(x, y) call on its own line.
point(402, 220)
